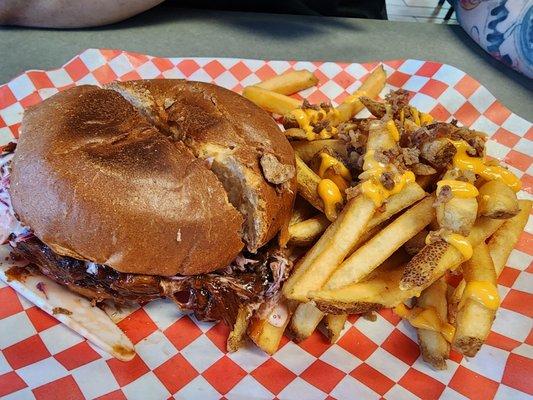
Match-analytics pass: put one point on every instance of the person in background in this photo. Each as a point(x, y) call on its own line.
point(90, 13)
point(503, 28)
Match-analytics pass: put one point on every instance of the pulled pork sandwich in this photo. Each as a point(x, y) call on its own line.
point(154, 188)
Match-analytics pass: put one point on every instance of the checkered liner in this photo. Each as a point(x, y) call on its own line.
point(181, 357)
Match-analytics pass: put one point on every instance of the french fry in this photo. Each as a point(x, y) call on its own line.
point(497, 200)
point(316, 266)
point(425, 181)
point(457, 214)
point(308, 184)
point(374, 252)
point(453, 301)
point(409, 195)
point(436, 258)
point(264, 334)
point(376, 108)
point(237, 334)
point(434, 347)
point(301, 211)
point(307, 149)
point(474, 320)
point(304, 321)
point(295, 134)
point(334, 325)
point(380, 290)
point(343, 234)
point(416, 243)
point(371, 87)
point(271, 101)
point(306, 232)
point(289, 82)
point(503, 241)
point(309, 232)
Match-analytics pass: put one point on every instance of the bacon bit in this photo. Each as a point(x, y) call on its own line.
point(320, 125)
point(308, 106)
point(444, 196)
point(326, 106)
point(409, 155)
point(61, 310)
point(387, 180)
point(42, 287)
point(9, 148)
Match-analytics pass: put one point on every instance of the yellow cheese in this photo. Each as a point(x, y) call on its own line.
point(328, 161)
point(373, 188)
point(331, 196)
point(426, 318)
point(464, 190)
point(479, 166)
point(393, 130)
point(425, 119)
point(448, 331)
point(415, 115)
point(483, 292)
point(460, 243)
point(307, 117)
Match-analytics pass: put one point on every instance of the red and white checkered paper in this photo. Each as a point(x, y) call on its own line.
point(182, 358)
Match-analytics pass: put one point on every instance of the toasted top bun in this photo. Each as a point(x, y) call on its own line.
point(96, 180)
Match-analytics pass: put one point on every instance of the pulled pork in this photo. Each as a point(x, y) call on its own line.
point(250, 279)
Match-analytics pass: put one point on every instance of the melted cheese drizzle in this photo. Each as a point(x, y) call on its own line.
point(460, 243)
point(415, 115)
point(425, 119)
point(335, 179)
point(328, 161)
point(426, 318)
point(307, 117)
point(478, 165)
point(331, 195)
point(463, 190)
point(483, 292)
point(372, 186)
point(393, 130)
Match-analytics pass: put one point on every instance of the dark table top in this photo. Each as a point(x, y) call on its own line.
point(170, 31)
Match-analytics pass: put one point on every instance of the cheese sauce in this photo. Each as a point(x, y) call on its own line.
point(307, 117)
point(372, 186)
point(464, 190)
point(335, 180)
point(483, 292)
point(478, 165)
point(426, 318)
point(425, 119)
point(331, 196)
point(460, 243)
point(393, 130)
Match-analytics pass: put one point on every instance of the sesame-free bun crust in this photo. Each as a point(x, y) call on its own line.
point(233, 134)
point(96, 180)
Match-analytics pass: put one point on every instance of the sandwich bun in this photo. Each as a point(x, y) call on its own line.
point(158, 177)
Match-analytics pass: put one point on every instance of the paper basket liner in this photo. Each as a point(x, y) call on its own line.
point(182, 358)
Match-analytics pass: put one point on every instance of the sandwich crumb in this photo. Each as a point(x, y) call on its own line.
point(61, 310)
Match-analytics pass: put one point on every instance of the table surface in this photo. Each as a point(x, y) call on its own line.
point(170, 31)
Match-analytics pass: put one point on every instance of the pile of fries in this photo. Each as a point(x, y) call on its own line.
point(389, 208)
